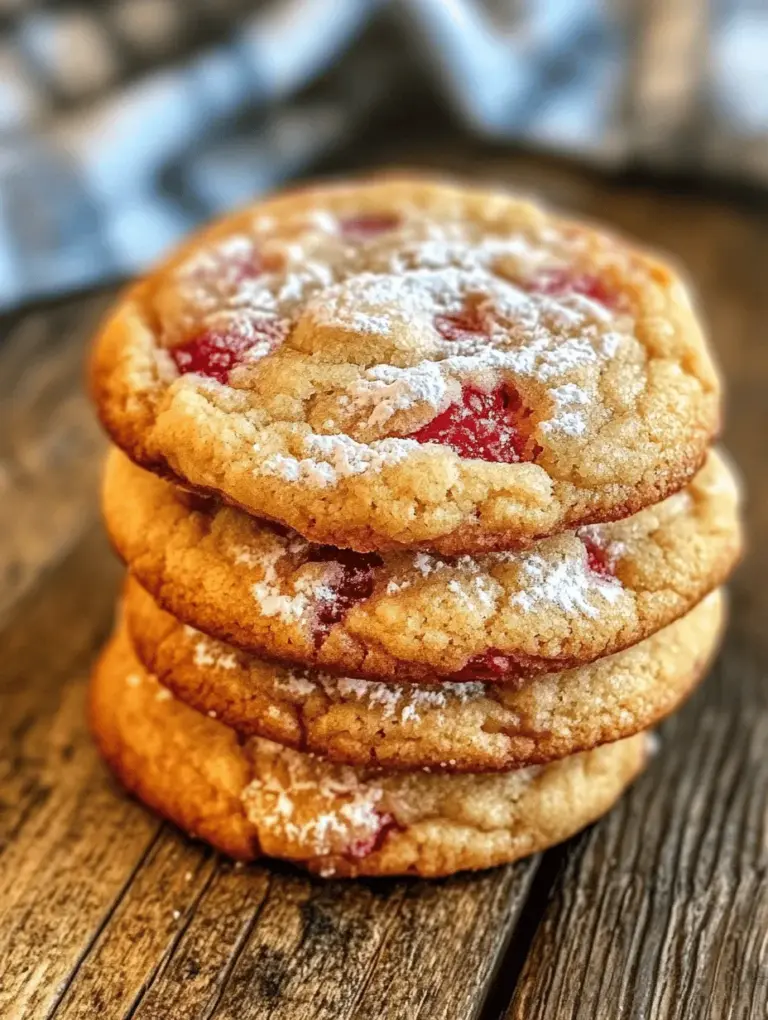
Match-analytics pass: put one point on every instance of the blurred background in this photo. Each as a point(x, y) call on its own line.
point(123, 123)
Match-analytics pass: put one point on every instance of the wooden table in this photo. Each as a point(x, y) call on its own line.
point(659, 911)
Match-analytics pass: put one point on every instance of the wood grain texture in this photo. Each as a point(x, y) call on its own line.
point(660, 911)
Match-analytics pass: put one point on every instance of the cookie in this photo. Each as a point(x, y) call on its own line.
point(459, 727)
point(254, 797)
point(403, 363)
point(415, 616)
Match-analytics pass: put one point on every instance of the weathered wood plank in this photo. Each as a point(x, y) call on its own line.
point(194, 973)
point(68, 846)
point(663, 910)
point(375, 950)
point(220, 941)
point(140, 931)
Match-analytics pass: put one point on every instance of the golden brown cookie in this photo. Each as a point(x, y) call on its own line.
point(459, 727)
point(414, 616)
point(402, 362)
point(254, 797)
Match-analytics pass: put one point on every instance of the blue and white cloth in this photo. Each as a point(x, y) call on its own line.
point(125, 122)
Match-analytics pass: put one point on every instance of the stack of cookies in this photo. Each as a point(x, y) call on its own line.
point(423, 527)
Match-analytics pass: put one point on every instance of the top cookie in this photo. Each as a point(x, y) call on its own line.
point(403, 363)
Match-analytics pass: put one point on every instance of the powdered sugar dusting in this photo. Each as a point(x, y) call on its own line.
point(399, 284)
point(471, 580)
point(307, 593)
point(475, 592)
point(386, 389)
point(211, 655)
point(291, 601)
point(564, 582)
point(332, 458)
point(296, 685)
point(320, 810)
point(401, 702)
point(566, 419)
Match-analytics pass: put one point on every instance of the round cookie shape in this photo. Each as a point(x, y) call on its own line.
point(456, 727)
point(404, 363)
point(256, 798)
point(415, 616)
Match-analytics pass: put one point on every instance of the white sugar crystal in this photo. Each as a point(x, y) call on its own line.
point(302, 281)
point(387, 389)
point(572, 423)
point(393, 587)
point(568, 394)
point(418, 295)
point(407, 700)
point(610, 344)
point(287, 607)
point(475, 592)
point(308, 591)
point(427, 564)
point(567, 584)
point(203, 654)
point(332, 458)
point(296, 685)
point(348, 806)
point(377, 325)
point(269, 591)
point(211, 654)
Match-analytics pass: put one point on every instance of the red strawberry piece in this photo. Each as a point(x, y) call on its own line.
point(561, 281)
point(482, 425)
point(490, 665)
point(351, 583)
point(468, 324)
point(214, 353)
point(370, 844)
point(368, 224)
point(597, 558)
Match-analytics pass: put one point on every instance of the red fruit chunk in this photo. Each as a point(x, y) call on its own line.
point(490, 665)
point(514, 670)
point(597, 558)
point(369, 225)
point(467, 324)
point(561, 281)
point(244, 268)
point(363, 847)
point(483, 426)
point(351, 583)
point(215, 354)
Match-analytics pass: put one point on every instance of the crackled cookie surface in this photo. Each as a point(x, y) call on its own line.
point(256, 797)
point(404, 363)
point(470, 726)
point(417, 616)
